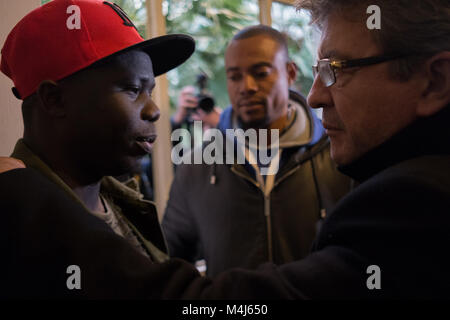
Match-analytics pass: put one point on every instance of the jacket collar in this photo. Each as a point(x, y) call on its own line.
point(139, 212)
point(108, 184)
point(294, 136)
point(24, 153)
point(426, 136)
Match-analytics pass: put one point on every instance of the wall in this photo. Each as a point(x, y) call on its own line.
point(11, 127)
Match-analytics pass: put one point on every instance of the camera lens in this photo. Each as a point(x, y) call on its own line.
point(206, 103)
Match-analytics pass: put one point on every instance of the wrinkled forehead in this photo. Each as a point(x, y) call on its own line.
point(345, 36)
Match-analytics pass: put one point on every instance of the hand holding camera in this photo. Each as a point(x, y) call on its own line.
point(197, 105)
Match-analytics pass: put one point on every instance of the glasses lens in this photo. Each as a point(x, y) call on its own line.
point(326, 73)
point(315, 71)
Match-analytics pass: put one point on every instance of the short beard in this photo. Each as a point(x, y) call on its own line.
point(257, 124)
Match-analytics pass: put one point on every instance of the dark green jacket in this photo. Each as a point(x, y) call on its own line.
point(140, 214)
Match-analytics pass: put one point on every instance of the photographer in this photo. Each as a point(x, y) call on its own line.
point(188, 111)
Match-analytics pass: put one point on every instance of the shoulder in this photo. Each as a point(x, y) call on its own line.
point(7, 164)
point(432, 171)
point(31, 199)
point(323, 165)
point(398, 220)
point(409, 183)
point(25, 181)
point(412, 195)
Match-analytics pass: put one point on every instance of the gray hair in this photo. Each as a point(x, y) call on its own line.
point(419, 28)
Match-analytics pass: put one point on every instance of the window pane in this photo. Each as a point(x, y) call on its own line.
point(212, 23)
point(302, 41)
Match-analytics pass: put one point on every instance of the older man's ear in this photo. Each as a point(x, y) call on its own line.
point(436, 93)
point(7, 164)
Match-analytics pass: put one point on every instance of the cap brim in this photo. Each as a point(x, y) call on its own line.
point(167, 52)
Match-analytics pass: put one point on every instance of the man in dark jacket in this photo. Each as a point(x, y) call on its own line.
point(385, 95)
point(234, 215)
point(87, 107)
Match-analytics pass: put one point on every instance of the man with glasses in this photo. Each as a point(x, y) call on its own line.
point(385, 96)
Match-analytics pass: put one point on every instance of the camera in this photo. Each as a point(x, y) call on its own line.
point(205, 101)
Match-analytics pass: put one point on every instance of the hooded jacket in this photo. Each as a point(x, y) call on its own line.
point(230, 216)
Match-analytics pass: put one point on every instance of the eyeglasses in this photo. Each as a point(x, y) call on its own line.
point(326, 67)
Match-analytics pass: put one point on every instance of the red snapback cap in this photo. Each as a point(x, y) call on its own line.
point(65, 36)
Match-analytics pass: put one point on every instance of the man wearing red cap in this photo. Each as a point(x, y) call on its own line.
point(86, 76)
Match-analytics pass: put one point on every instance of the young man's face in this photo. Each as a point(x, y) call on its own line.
point(111, 114)
point(365, 106)
point(258, 79)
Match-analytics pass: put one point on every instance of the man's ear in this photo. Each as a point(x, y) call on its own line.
point(436, 95)
point(51, 98)
point(292, 72)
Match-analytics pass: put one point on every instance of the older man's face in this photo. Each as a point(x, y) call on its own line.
point(365, 106)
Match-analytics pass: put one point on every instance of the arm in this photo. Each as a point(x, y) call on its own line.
point(397, 222)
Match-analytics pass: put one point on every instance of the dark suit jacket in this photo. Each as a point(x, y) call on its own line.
point(397, 219)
